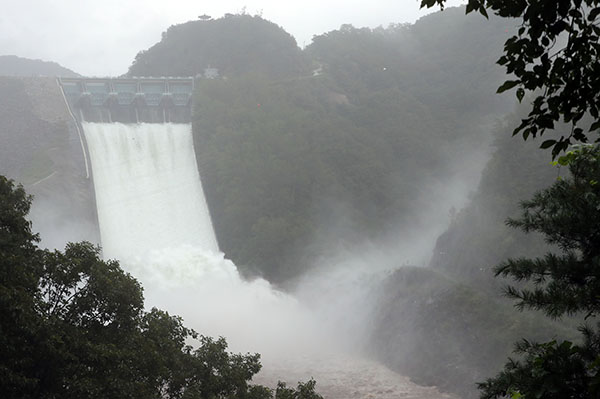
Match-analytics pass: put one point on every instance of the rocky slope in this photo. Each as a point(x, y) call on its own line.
point(41, 149)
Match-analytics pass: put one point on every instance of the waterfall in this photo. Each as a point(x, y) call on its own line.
point(148, 190)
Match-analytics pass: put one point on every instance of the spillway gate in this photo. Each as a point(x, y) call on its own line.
point(129, 100)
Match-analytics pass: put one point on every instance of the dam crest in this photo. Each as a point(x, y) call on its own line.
point(129, 100)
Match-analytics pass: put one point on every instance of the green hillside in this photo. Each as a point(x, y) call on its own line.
point(478, 238)
point(235, 44)
point(11, 65)
point(295, 168)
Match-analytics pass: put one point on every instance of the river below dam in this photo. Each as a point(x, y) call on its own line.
point(346, 377)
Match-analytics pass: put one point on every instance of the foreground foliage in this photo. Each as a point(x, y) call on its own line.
point(73, 326)
point(568, 215)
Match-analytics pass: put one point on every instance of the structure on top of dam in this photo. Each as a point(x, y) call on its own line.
point(129, 100)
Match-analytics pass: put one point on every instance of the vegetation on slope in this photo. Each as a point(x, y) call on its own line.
point(11, 65)
point(453, 313)
point(41, 149)
point(441, 331)
point(25, 137)
point(235, 45)
point(478, 237)
point(294, 167)
point(554, 57)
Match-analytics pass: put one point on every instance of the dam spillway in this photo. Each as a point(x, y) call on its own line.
point(137, 135)
point(153, 218)
point(148, 189)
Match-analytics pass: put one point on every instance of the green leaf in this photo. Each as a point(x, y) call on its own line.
point(483, 12)
point(509, 84)
point(520, 93)
point(547, 144)
point(564, 160)
point(595, 126)
point(578, 134)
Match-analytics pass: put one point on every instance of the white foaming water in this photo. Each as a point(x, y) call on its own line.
point(153, 217)
point(148, 189)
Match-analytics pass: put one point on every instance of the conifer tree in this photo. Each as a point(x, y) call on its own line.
point(558, 284)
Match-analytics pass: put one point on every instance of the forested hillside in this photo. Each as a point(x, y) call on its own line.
point(235, 44)
point(11, 65)
point(294, 168)
point(478, 237)
point(445, 60)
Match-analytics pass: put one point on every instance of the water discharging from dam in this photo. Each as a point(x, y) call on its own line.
point(153, 217)
point(148, 190)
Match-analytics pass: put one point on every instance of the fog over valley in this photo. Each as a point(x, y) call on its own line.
point(321, 200)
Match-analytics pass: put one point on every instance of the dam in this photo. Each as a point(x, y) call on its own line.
point(137, 137)
point(129, 100)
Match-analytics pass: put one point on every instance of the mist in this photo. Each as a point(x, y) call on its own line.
point(326, 315)
point(333, 202)
point(149, 196)
point(343, 288)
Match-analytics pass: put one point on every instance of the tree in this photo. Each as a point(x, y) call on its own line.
point(568, 215)
point(304, 391)
point(18, 285)
point(555, 55)
point(74, 326)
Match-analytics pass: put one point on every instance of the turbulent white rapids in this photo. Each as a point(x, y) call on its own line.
point(153, 217)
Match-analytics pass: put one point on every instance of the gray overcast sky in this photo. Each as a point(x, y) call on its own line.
point(102, 37)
